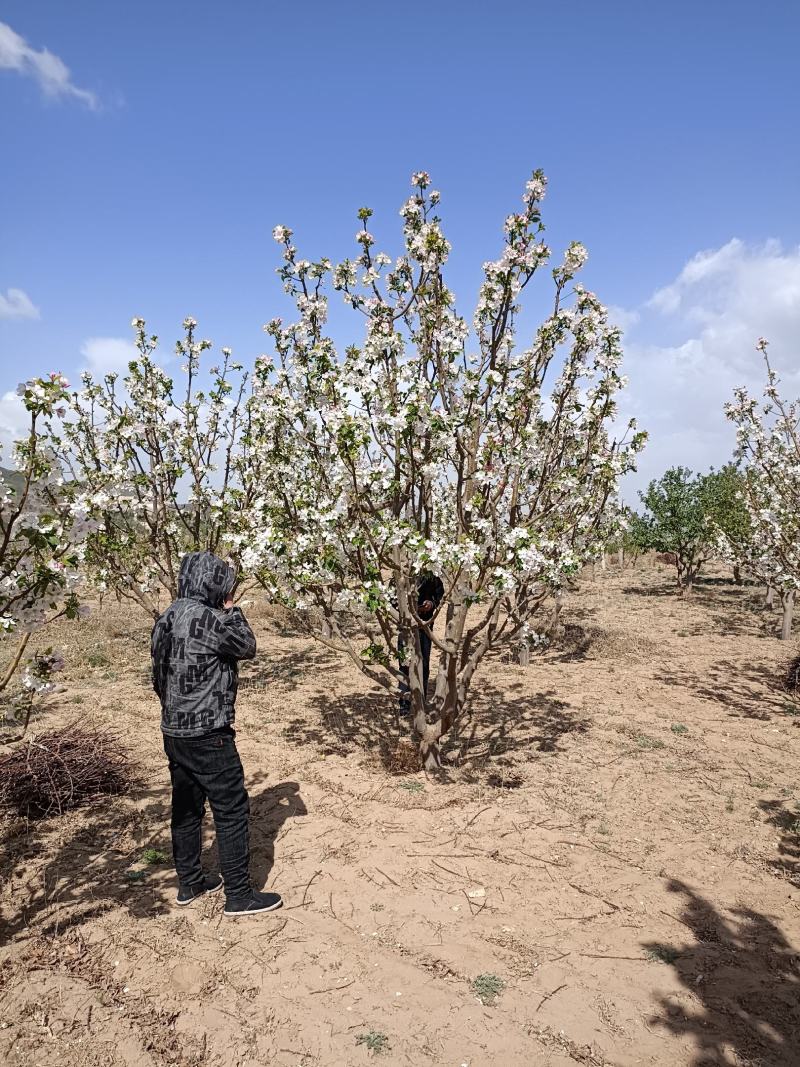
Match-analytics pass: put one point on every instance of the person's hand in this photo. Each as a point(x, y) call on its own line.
point(228, 603)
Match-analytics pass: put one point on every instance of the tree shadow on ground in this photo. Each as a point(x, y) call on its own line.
point(748, 690)
point(728, 609)
point(663, 589)
point(494, 726)
point(743, 975)
point(731, 611)
point(499, 726)
point(339, 726)
point(95, 857)
point(787, 821)
point(287, 671)
point(727, 583)
point(92, 864)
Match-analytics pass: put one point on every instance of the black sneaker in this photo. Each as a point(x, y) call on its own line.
point(212, 883)
point(252, 905)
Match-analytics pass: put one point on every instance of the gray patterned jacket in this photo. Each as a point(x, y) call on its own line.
point(196, 647)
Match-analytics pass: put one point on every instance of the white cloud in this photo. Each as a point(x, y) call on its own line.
point(106, 354)
point(14, 423)
point(625, 318)
point(714, 311)
point(47, 69)
point(102, 355)
point(16, 304)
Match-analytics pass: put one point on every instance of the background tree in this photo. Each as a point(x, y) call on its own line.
point(675, 520)
point(42, 543)
point(723, 493)
point(160, 465)
point(768, 443)
point(621, 539)
point(420, 451)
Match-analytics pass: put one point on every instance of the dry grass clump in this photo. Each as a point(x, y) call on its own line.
point(62, 769)
point(621, 644)
point(403, 758)
point(594, 642)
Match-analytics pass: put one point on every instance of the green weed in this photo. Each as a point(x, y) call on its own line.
point(374, 1041)
point(488, 987)
point(154, 856)
point(647, 742)
point(662, 954)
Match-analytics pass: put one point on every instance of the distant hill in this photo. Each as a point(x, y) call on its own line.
point(12, 477)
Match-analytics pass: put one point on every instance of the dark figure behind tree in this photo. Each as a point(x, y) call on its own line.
point(430, 591)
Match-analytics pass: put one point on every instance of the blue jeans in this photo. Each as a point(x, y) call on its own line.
point(208, 767)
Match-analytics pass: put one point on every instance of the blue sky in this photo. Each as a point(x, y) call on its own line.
point(146, 179)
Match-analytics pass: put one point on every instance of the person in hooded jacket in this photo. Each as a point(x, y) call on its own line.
point(430, 591)
point(196, 647)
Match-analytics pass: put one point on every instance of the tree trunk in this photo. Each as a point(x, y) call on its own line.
point(603, 560)
point(592, 571)
point(737, 574)
point(686, 577)
point(621, 557)
point(21, 646)
point(787, 603)
point(524, 654)
point(429, 751)
point(770, 601)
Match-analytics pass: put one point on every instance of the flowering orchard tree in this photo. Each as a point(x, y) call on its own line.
point(42, 543)
point(427, 449)
point(768, 443)
point(161, 466)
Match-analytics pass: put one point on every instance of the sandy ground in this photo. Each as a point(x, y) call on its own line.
point(618, 844)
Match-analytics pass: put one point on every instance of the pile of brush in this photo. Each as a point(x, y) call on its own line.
point(62, 769)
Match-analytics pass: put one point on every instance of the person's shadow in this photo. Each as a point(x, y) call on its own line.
point(268, 812)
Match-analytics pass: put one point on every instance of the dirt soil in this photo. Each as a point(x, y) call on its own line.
point(615, 857)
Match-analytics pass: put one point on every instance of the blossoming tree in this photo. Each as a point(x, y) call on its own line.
point(42, 542)
point(430, 449)
point(768, 443)
point(160, 464)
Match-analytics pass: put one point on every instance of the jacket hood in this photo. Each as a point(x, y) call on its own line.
point(205, 577)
